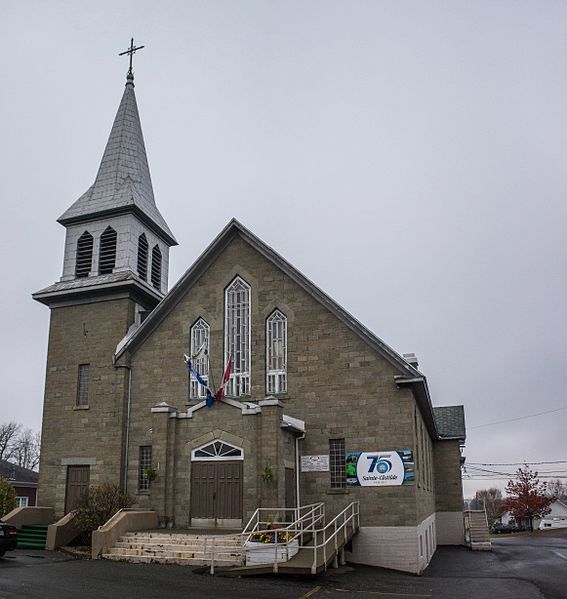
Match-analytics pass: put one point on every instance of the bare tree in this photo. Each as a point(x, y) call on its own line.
point(26, 448)
point(489, 500)
point(557, 488)
point(9, 432)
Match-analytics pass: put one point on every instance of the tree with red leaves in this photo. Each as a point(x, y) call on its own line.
point(527, 498)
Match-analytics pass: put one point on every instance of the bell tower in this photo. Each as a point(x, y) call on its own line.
point(115, 269)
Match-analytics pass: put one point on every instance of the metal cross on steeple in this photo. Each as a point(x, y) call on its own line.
point(131, 51)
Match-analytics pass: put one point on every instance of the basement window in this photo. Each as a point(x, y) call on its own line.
point(107, 252)
point(84, 255)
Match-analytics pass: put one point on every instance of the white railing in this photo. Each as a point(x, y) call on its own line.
point(304, 531)
point(303, 520)
point(349, 517)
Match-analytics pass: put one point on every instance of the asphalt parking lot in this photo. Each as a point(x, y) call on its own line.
point(518, 568)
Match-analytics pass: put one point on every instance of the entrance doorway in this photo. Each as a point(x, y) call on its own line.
point(216, 486)
point(78, 478)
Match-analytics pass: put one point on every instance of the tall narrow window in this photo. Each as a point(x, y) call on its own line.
point(276, 353)
point(107, 252)
point(237, 336)
point(200, 332)
point(84, 255)
point(83, 385)
point(337, 463)
point(142, 257)
point(145, 462)
point(156, 267)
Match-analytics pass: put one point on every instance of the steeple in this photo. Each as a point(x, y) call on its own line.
point(123, 182)
point(117, 240)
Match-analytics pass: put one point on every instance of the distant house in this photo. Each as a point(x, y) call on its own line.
point(557, 518)
point(23, 480)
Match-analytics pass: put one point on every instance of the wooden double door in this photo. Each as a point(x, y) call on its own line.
point(216, 494)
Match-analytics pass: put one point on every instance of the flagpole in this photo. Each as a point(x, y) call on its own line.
point(213, 386)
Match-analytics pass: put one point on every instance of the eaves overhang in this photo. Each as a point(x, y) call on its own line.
point(421, 393)
point(60, 295)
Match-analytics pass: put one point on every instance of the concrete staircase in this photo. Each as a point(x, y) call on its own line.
point(476, 527)
point(178, 548)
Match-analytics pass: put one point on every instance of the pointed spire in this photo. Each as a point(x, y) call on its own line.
point(123, 180)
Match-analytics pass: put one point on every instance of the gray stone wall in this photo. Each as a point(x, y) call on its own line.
point(448, 483)
point(71, 434)
point(338, 385)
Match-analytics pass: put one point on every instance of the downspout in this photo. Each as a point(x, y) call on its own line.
point(297, 498)
point(127, 439)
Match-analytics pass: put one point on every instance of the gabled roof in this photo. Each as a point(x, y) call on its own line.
point(407, 373)
point(17, 474)
point(200, 266)
point(450, 421)
point(123, 181)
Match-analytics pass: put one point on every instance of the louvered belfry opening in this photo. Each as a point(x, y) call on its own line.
point(107, 253)
point(156, 267)
point(142, 257)
point(84, 255)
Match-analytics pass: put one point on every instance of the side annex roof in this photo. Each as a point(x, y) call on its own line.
point(408, 374)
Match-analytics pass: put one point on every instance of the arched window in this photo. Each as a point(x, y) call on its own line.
point(156, 267)
point(276, 353)
point(200, 332)
point(237, 336)
point(107, 252)
point(217, 450)
point(142, 256)
point(84, 255)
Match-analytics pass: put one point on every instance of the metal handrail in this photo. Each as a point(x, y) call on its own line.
point(353, 516)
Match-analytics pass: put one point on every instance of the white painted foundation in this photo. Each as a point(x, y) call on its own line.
point(404, 548)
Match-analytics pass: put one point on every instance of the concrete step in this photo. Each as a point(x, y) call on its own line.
point(155, 550)
point(154, 559)
point(223, 553)
point(179, 536)
point(175, 545)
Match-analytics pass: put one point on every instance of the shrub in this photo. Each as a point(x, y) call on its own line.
point(7, 496)
point(101, 504)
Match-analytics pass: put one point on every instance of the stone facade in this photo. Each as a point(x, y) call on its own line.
point(343, 383)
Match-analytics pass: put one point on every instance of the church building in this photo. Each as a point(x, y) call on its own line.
point(311, 405)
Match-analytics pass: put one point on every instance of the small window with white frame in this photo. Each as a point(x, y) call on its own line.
point(22, 501)
point(276, 353)
point(237, 336)
point(200, 334)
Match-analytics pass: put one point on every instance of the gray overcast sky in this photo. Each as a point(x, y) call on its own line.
point(408, 157)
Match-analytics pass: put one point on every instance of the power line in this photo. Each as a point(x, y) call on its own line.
point(514, 463)
point(518, 418)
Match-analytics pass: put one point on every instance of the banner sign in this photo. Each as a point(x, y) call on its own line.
point(314, 463)
point(380, 468)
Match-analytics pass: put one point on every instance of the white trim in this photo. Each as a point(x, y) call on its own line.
point(199, 334)
point(216, 457)
point(276, 374)
point(238, 376)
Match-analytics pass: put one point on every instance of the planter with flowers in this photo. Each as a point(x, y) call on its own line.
point(262, 547)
